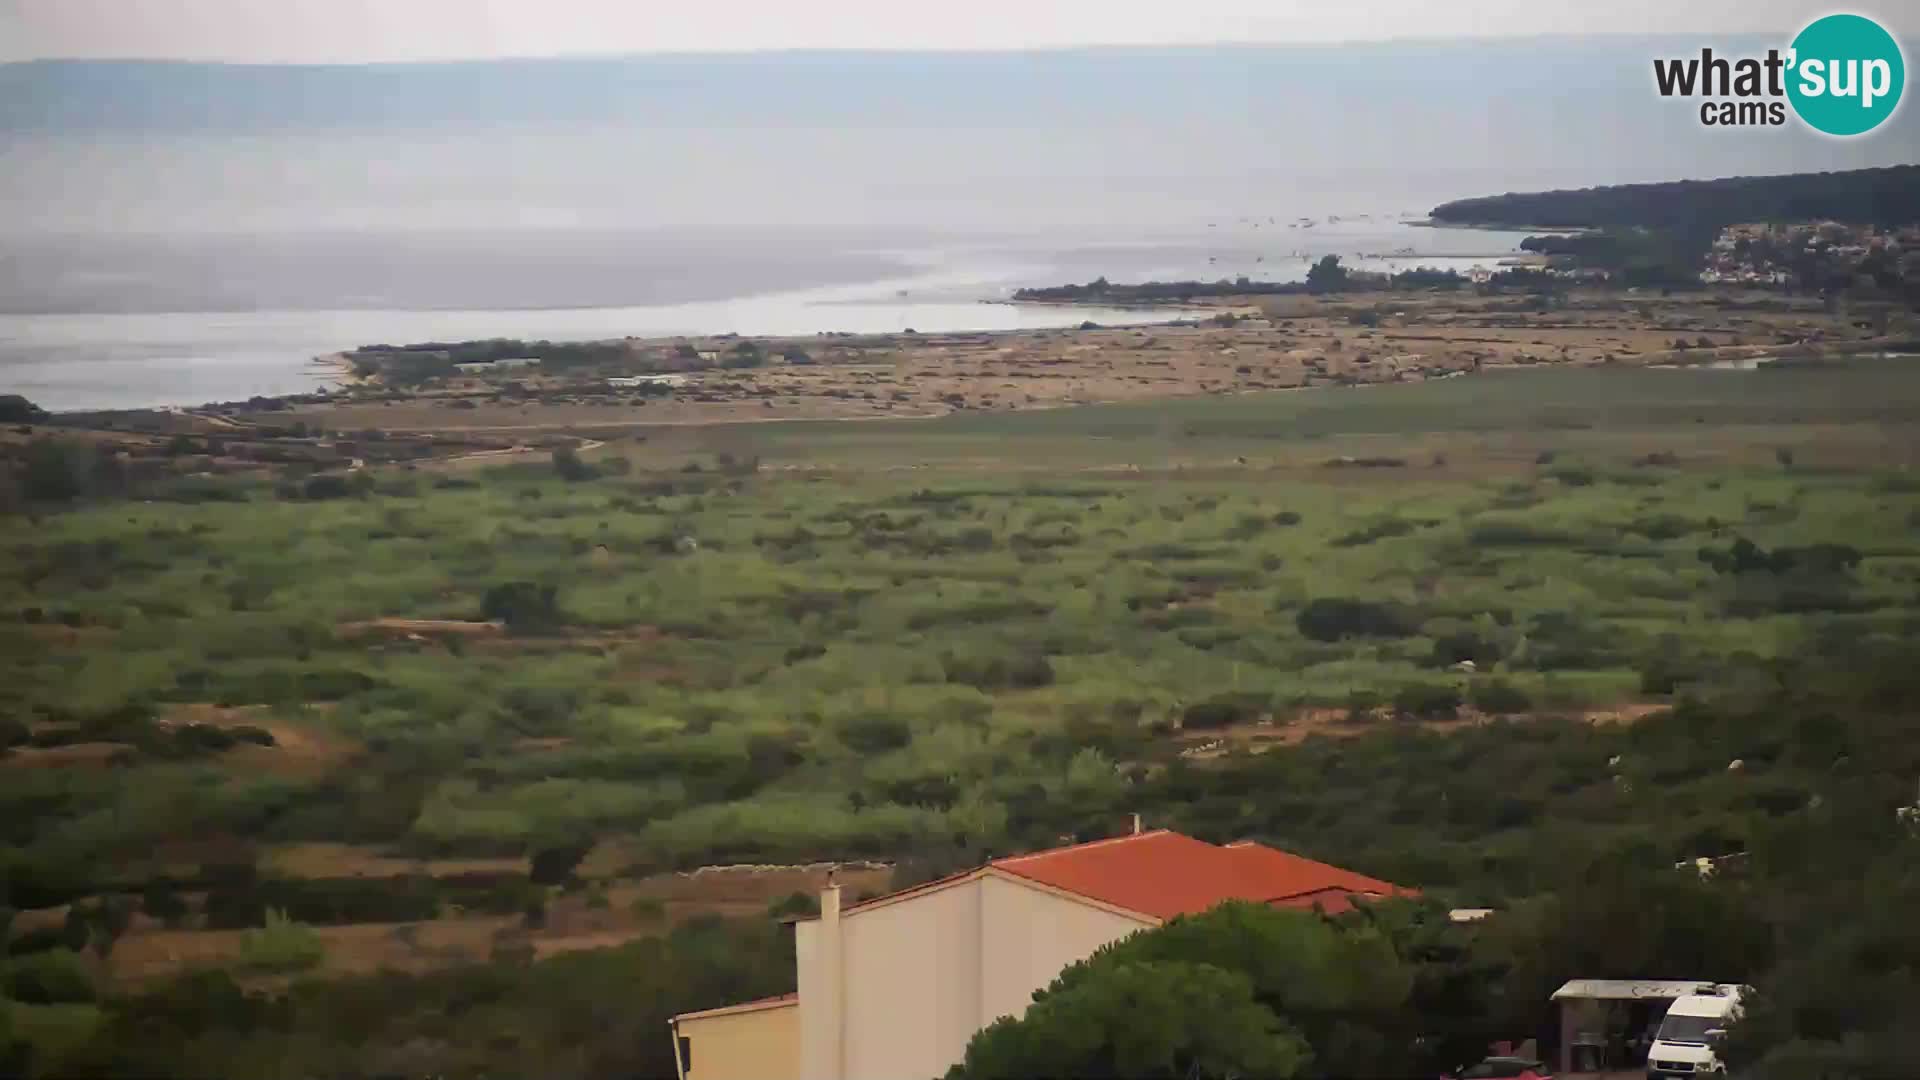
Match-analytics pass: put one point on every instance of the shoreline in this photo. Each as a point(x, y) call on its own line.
point(339, 367)
point(1494, 226)
point(193, 359)
point(434, 415)
point(1283, 341)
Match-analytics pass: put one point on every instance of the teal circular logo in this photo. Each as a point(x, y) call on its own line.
point(1845, 75)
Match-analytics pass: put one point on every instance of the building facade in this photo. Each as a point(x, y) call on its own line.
point(755, 1040)
point(896, 986)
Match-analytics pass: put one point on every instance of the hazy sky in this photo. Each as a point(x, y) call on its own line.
point(375, 30)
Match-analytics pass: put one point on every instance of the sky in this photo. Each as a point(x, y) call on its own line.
point(361, 31)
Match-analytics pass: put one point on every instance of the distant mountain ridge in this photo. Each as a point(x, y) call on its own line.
point(1101, 138)
point(1262, 82)
point(1883, 196)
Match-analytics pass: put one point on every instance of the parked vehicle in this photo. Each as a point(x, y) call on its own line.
point(1688, 1043)
point(1503, 1068)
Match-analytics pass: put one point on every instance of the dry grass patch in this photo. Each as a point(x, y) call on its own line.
point(72, 755)
point(332, 860)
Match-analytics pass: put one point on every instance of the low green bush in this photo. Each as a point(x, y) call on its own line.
point(281, 946)
point(1334, 618)
point(1497, 697)
point(802, 904)
point(50, 977)
point(1427, 701)
point(1224, 710)
point(37, 940)
point(872, 732)
point(1378, 530)
point(1023, 671)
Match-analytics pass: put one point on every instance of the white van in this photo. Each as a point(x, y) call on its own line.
point(1688, 1043)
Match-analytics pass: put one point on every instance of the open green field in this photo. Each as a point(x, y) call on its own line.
point(1500, 417)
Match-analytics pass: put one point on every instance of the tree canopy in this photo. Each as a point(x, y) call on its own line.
point(1140, 1019)
point(1327, 275)
point(1241, 990)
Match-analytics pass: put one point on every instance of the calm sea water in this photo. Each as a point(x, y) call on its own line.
point(253, 315)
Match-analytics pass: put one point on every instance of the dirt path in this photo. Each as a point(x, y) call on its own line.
point(392, 627)
point(93, 754)
point(495, 457)
point(491, 635)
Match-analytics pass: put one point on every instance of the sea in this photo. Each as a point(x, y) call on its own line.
point(173, 234)
point(141, 322)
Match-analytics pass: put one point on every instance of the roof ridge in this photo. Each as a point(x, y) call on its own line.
point(926, 886)
point(1105, 840)
point(1343, 876)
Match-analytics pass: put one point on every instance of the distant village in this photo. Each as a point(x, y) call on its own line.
point(1818, 254)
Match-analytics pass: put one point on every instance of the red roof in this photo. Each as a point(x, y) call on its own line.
point(1164, 874)
point(1329, 901)
point(1294, 876)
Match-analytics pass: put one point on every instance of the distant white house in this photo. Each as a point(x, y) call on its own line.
point(481, 367)
point(628, 382)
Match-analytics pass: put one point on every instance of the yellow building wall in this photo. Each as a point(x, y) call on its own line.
point(760, 1045)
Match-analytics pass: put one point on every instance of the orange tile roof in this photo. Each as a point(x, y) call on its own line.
point(1164, 874)
point(1293, 875)
point(1329, 901)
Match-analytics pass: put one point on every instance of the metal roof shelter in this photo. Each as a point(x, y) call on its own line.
point(1632, 989)
point(1600, 1019)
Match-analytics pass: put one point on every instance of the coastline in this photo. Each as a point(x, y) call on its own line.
point(340, 367)
point(1276, 318)
point(680, 391)
point(1493, 226)
point(187, 359)
point(183, 357)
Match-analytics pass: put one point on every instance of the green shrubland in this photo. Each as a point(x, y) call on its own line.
point(838, 661)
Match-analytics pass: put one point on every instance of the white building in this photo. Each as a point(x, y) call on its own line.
point(897, 986)
point(481, 367)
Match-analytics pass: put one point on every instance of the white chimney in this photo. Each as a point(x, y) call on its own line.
point(1136, 824)
point(833, 974)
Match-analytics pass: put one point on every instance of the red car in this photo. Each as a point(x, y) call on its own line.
point(1504, 1068)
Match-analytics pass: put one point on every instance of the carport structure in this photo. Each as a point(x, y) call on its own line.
point(1607, 1024)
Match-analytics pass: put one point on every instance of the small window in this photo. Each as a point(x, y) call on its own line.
point(686, 1055)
